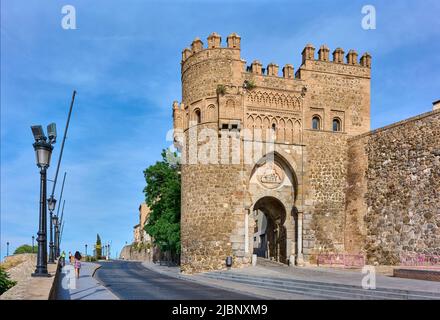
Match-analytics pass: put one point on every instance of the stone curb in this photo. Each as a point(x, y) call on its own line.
point(97, 267)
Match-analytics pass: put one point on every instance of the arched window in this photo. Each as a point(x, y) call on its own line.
point(197, 116)
point(316, 123)
point(337, 124)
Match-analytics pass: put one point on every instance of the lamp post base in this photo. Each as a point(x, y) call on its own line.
point(45, 275)
point(41, 273)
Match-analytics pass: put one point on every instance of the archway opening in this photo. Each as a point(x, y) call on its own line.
point(269, 239)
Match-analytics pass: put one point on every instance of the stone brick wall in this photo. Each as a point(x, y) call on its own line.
point(326, 165)
point(336, 90)
point(393, 194)
point(130, 253)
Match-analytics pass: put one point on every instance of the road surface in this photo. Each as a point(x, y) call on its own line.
point(131, 281)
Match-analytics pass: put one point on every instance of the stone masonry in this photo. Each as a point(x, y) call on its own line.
point(393, 202)
point(297, 148)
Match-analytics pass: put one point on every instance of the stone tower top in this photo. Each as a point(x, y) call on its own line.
point(214, 42)
point(308, 53)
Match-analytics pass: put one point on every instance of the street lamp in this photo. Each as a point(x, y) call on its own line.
point(55, 236)
point(7, 249)
point(43, 151)
point(51, 202)
point(54, 220)
point(86, 249)
point(33, 238)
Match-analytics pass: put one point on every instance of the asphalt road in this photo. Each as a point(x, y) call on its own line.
point(131, 281)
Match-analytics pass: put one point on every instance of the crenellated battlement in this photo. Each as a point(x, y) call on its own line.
point(217, 85)
point(351, 58)
point(214, 42)
point(233, 41)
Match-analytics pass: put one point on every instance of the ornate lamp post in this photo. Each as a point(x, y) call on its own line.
point(43, 152)
point(86, 249)
point(58, 228)
point(51, 202)
point(55, 240)
point(7, 248)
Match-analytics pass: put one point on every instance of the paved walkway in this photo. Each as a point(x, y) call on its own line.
point(315, 274)
point(87, 287)
point(259, 293)
point(129, 280)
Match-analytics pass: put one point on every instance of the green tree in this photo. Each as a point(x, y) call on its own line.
point(5, 282)
point(98, 247)
point(162, 195)
point(25, 248)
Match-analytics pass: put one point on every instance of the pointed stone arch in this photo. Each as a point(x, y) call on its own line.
point(297, 132)
point(273, 200)
point(282, 130)
point(210, 113)
point(289, 131)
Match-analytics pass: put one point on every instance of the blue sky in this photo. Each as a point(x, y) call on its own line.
point(124, 61)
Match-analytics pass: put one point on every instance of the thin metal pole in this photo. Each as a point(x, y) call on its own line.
point(60, 221)
point(62, 212)
point(61, 194)
point(62, 144)
point(56, 254)
point(55, 247)
point(41, 269)
point(61, 234)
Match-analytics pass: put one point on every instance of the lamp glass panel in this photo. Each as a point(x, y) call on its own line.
point(51, 204)
point(43, 157)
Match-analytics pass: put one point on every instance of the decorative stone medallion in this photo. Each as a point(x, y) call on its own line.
point(272, 175)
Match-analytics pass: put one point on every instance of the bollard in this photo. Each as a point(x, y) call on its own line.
point(229, 261)
point(254, 260)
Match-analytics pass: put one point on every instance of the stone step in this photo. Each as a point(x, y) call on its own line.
point(303, 290)
point(284, 280)
point(269, 263)
point(322, 289)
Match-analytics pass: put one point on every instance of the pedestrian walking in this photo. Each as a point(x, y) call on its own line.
point(77, 263)
point(63, 258)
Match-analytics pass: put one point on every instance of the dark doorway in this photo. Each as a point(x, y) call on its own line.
point(270, 233)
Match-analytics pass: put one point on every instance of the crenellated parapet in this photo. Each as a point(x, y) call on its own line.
point(323, 53)
point(214, 41)
point(217, 84)
point(178, 115)
point(308, 54)
point(179, 118)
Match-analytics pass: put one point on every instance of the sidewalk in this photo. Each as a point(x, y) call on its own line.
point(87, 287)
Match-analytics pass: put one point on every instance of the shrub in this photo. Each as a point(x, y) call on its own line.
point(221, 89)
point(249, 84)
point(90, 259)
point(25, 248)
point(5, 282)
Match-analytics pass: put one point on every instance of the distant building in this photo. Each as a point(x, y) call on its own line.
point(139, 234)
